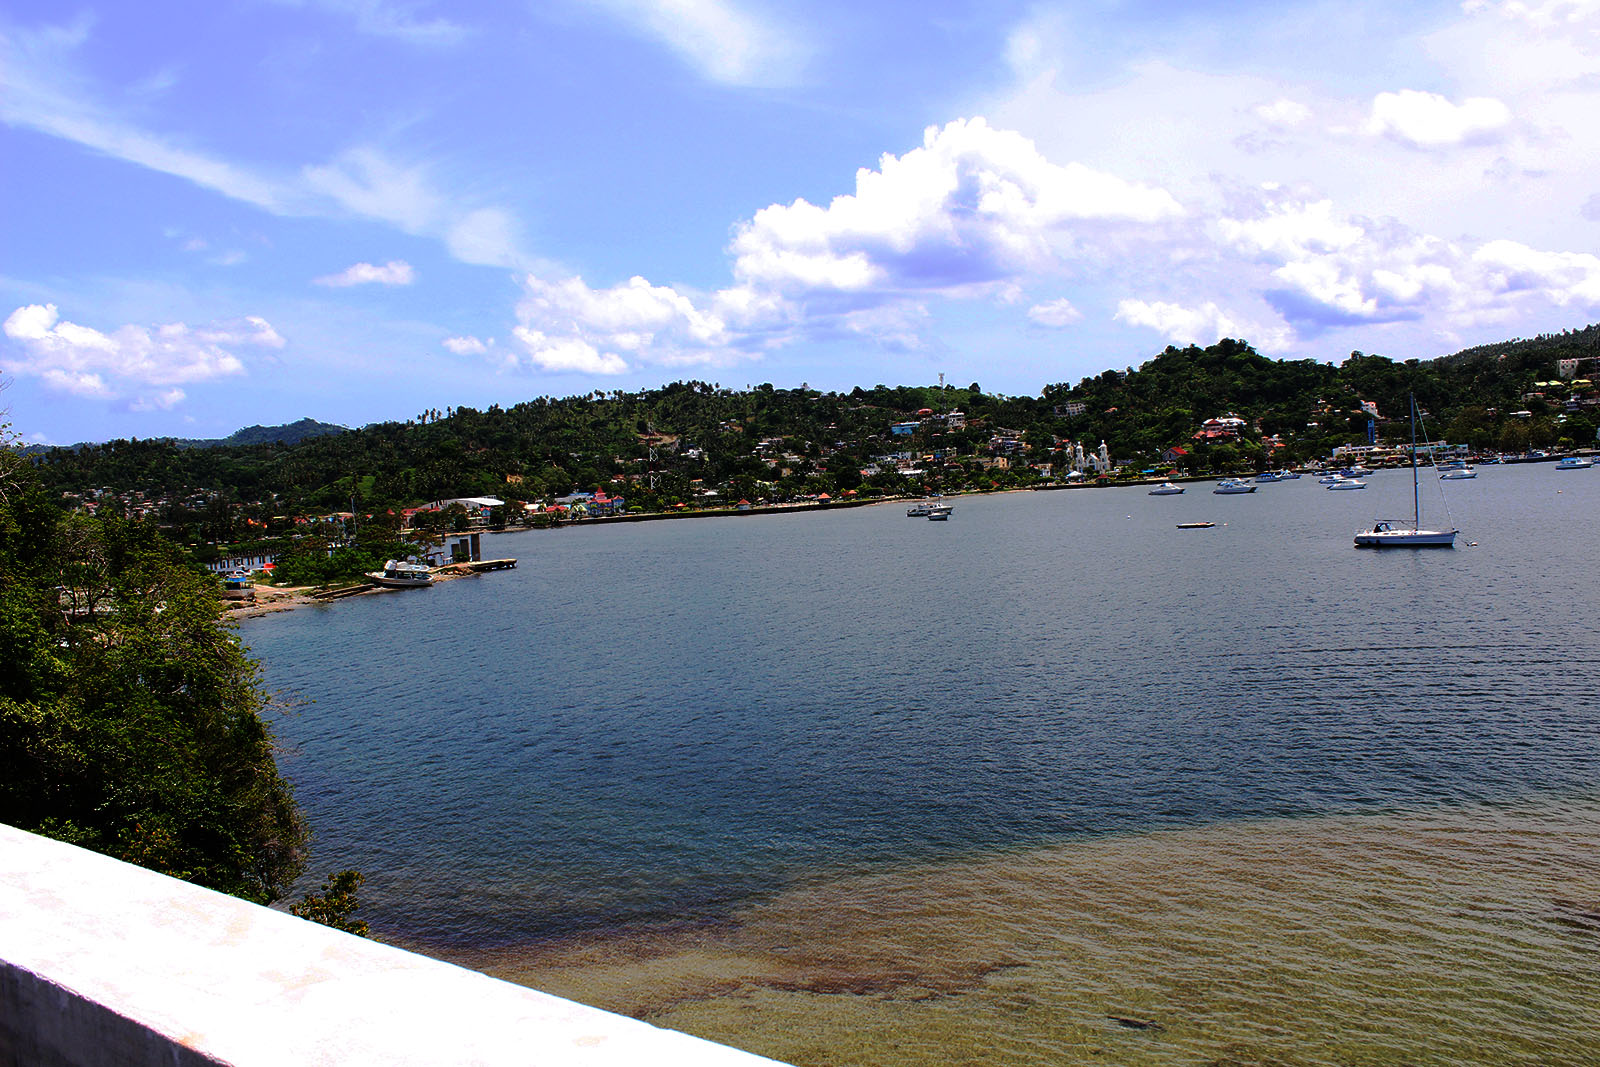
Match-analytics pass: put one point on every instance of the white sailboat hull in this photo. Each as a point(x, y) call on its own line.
point(1376, 538)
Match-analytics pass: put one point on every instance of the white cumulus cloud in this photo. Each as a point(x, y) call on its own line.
point(394, 272)
point(131, 360)
point(1055, 313)
point(468, 346)
point(1428, 120)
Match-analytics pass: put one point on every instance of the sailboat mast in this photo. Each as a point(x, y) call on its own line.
point(1416, 499)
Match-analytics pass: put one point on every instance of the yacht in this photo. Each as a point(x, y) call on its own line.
point(1230, 486)
point(1573, 463)
point(1456, 474)
point(1347, 483)
point(1395, 534)
point(397, 574)
point(1166, 489)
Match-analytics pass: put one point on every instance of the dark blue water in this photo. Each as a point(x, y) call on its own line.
point(663, 720)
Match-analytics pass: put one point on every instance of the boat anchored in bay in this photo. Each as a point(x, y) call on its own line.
point(1393, 533)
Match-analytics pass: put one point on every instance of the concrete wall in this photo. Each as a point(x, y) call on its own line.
point(105, 963)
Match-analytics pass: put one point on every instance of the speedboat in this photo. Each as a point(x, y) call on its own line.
point(1229, 486)
point(397, 574)
point(1456, 474)
point(1347, 483)
point(1166, 489)
point(1573, 463)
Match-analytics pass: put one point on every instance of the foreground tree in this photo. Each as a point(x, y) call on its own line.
point(130, 717)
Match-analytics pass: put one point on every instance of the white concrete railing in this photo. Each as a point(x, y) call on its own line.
point(102, 962)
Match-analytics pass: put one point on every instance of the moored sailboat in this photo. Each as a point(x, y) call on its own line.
point(1394, 533)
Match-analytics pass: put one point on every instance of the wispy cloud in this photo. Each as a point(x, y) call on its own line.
point(39, 91)
point(386, 18)
point(723, 40)
point(394, 272)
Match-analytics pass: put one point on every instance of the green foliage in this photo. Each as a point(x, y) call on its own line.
point(660, 446)
point(335, 904)
point(129, 716)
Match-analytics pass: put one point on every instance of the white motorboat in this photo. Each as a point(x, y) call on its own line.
point(1573, 463)
point(398, 574)
point(1268, 477)
point(1347, 483)
point(940, 512)
point(1456, 474)
point(1166, 489)
point(1230, 486)
point(1395, 534)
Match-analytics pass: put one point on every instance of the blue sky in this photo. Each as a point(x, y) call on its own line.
point(249, 211)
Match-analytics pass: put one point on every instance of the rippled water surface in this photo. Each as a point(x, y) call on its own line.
point(1053, 781)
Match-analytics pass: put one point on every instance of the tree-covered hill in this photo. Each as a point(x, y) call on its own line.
point(670, 445)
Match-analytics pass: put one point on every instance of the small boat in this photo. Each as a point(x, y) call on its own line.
point(397, 574)
point(1268, 477)
point(1573, 463)
point(1392, 534)
point(1347, 483)
point(1230, 486)
point(920, 509)
point(1456, 474)
point(1166, 489)
point(940, 512)
point(1329, 479)
point(1287, 475)
point(1195, 525)
point(238, 585)
point(1357, 471)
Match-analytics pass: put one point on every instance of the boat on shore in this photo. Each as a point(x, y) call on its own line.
point(1166, 489)
point(1389, 533)
point(1231, 486)
point(398, 574)
point(238, 585)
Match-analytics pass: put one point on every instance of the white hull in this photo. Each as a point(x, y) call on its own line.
point(387, 582)
point(1377, 538)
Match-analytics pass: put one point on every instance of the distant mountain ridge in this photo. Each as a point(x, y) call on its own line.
point(288, 434)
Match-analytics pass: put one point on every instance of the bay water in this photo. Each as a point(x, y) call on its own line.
point(1051, 782)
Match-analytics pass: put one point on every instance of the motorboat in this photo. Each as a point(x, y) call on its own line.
point(1166, 489)
point(1329, 479)
point(920, 508)
point(1347, 483)
point(1395, 534)
point(940, 512)
point(1268, 477)
point(1230, 486)
point(1573, 463)
point(1456, 474)
point(238, 585)
point(1357, 471)
point(398, 574)
point(1195, 525)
